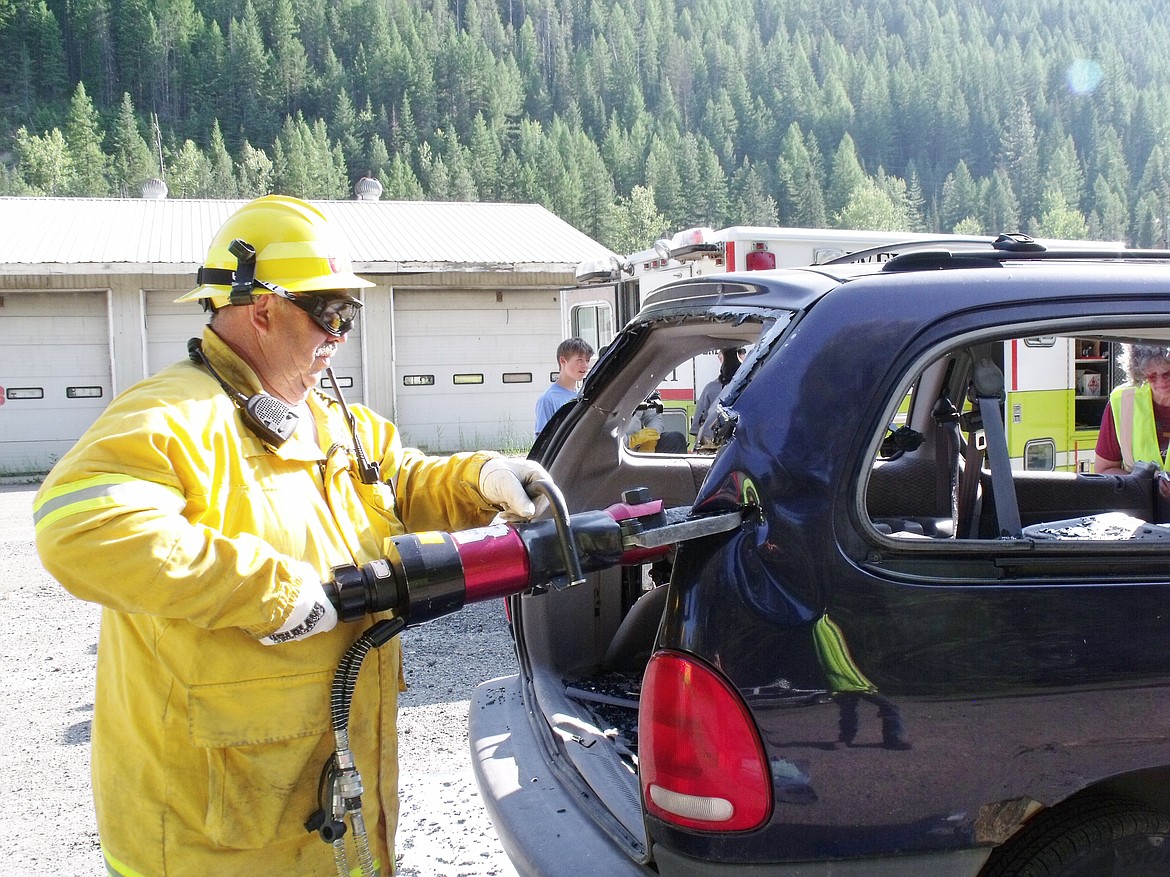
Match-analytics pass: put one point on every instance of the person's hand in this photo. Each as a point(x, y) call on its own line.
point(312, 614)
point(505, 483)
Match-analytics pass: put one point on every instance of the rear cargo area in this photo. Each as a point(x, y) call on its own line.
point(586, 653)
point(583, 650)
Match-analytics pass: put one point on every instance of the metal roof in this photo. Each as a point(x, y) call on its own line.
point(129, 234)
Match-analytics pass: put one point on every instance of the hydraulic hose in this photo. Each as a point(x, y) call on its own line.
point(340, 777)
point(345, 679)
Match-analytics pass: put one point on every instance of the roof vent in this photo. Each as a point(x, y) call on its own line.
point(154, 189)
point(367, 189)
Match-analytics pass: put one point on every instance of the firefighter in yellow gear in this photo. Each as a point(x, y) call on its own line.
point(207, 544)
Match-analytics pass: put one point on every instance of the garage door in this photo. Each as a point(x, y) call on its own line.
point(169, 325)
point(51, 392)
point(470, 368)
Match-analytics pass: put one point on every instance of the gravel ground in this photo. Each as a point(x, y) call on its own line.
point(48, 643)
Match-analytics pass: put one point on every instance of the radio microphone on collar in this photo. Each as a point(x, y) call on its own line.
point(268, 417)
point(275, 422)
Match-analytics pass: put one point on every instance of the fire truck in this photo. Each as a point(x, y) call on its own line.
point(1056, 386)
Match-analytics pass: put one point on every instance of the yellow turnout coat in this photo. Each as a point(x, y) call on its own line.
point(207, 746)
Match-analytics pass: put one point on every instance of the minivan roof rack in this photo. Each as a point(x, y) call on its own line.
point(985, 252)
point(939, 259)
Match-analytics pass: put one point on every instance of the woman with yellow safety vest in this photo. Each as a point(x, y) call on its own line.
point(1136, 424)
point(204, 510)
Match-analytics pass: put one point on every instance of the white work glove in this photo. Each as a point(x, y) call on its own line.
point(313, 613)
point(504, 483)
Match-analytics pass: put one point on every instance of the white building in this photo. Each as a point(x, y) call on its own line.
point(454, 344)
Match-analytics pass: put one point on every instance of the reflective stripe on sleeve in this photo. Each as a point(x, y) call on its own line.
point(104, 491)
point(115, 868)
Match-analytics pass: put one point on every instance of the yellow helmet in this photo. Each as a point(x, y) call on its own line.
point(289, 245)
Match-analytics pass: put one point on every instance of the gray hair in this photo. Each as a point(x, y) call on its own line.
point(1141, 357)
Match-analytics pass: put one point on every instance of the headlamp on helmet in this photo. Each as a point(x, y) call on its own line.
point(244, 277)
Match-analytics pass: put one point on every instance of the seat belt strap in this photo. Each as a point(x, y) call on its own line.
point(989, 392)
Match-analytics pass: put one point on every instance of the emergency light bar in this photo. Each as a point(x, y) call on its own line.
point(693, 243)
point(599, 270)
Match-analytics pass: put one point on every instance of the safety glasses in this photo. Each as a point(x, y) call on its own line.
point(335, 315)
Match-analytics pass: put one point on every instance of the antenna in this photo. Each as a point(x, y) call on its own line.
point(368, 472)
point(162, 171)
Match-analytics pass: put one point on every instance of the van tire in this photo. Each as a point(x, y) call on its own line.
point(1099, 835)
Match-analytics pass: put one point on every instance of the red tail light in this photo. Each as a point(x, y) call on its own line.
point(760, 260)
point(701, 761)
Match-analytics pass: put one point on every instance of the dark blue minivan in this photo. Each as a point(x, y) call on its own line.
point(937, 643)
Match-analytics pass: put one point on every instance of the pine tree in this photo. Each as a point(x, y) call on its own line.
point(1063, 172)
point(222, 180)
point(1020, 158)
point(485, 155)
point(204, 74)
point(188, 173)
point(379, 161)
point(1154, 206)
point(93, 50)
point(1001, 212)
point(43, 164)
point(1058, 218)
point(250, 107)
point(290, 63)
point(305, 163)
point(345, 127)
point(635, 222)
point(133, 162)
point(960, 197)
point(871, 206)
point(83, 136)
point(255, 174)
point(35, 52)
point(690, 172)
point(664, 181)
point(460, 183)
point(915, 201)
point(1109, 220)
point(597, 187)
point(711, 197)
point(1152, 222)
point(400, 182)
point(802, 200)
point(177, 22)
point(752, 204)
point(845, 177)
point(139, 50)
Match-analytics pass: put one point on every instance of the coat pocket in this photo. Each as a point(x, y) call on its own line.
point(265, 742)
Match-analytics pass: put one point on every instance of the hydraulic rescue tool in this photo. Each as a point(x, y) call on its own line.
point(428, 575)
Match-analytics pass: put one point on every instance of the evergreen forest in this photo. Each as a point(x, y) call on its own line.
point(629, 119)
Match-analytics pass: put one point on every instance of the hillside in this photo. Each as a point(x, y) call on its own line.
point(625, 118)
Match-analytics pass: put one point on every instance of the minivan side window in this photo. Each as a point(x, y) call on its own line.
point(1001, 444)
